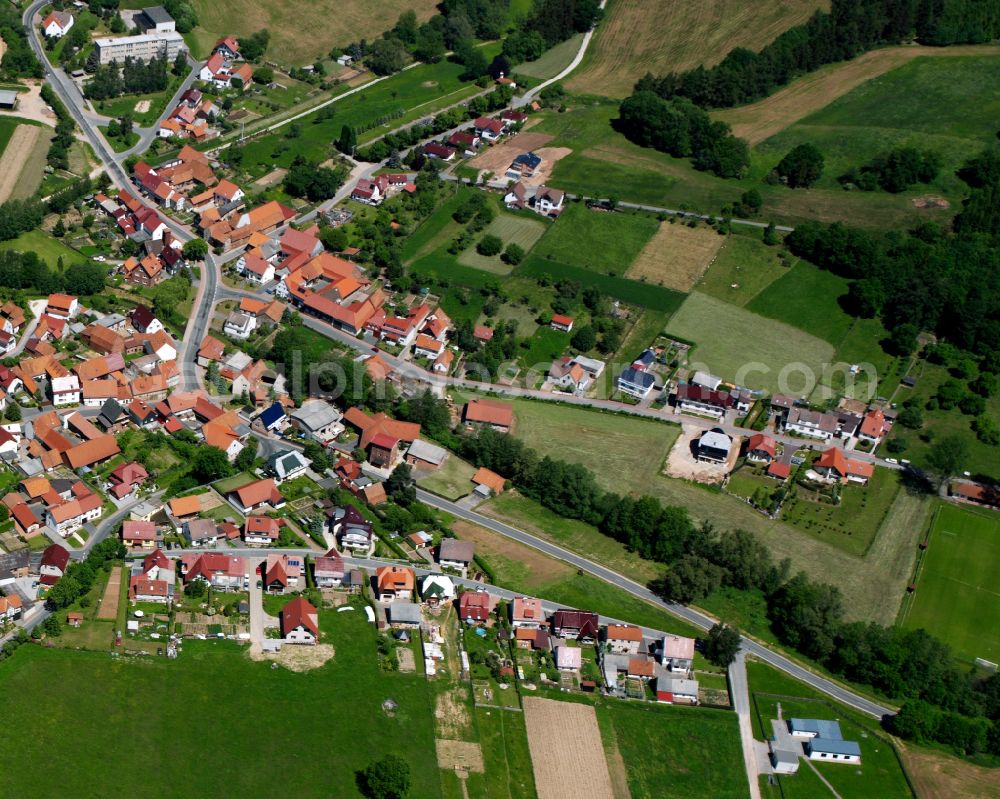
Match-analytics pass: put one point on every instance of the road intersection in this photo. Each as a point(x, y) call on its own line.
point(211, 290)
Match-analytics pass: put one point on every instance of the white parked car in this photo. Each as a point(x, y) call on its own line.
point(891, 460)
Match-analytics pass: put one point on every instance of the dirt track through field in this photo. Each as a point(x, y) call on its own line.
point(764, 119)
point(15, 156)
point(112, 593)
point(567, 755)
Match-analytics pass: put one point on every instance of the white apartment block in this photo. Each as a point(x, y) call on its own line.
point(145, 47)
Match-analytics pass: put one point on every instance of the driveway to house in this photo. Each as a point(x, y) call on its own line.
point(257, 616)
point(741, 704)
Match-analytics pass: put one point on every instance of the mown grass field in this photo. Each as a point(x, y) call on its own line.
point(756, 352)
point(516, 229)
point(743, 267)
point(553, 61)
point(956, 597)
point(604, 242)
point(300, 32)
point(809, 299)
point(677, 752)
point(676, 256)
point(145, 710)
point(638, 36)
point(528, 515)
point(47, 248)
point(879, 775)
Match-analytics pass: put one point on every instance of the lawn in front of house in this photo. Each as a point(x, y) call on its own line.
point(878, 776)
point(676, 752)
point(227, 484)
point(451, 480)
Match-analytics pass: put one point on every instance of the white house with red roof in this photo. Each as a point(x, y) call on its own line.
point(57, 24)
point(55, 558)
point(489, 129)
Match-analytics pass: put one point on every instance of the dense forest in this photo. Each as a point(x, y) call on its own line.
point(927, 279)
point(850, 28)
point(942, 701)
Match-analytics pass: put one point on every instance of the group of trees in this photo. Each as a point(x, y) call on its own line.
point(58, 155)
point(896, 170)
point(254, 46)
point(678, 127)
point(312, 181)
point(927, 279)
point(850, 28)
point(26, 271)
point(79, 576)
point(185, 17)
point(805, 615)
point(801, 167)
point(18, 59)
point(549, 23)
point(133, 77)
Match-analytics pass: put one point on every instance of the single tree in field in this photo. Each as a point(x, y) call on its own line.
point(388, 778)
point(802, 166)
point(721, 645)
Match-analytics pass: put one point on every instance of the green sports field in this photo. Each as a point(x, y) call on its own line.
point(957, 598)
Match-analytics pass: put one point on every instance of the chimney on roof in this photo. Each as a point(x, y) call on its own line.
point(167, 237)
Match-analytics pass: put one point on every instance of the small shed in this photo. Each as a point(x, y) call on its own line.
point(8, 99)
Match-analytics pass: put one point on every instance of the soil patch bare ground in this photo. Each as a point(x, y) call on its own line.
point(112, 593)
point(15, 158)
point(567, 755)
point(297, 658)
point(451, 713)
point(761, 120)
point(459, 755)
point(142, 106)
point(936, 774)
point(540, 569)
point(272, 178)
point(498, 158)
point(676, 257)
point(407, 663)
point(682, 464)
point(550, 157)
